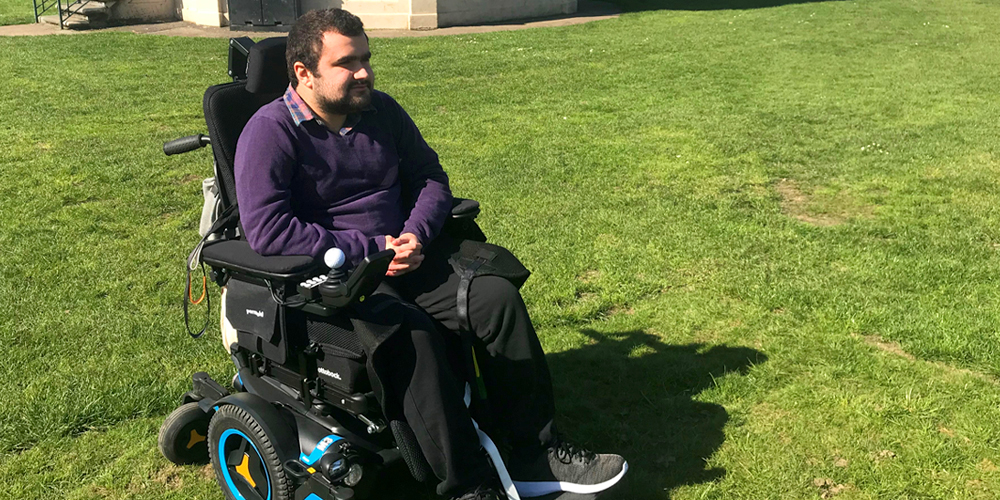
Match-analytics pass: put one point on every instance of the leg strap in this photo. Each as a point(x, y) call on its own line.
point(463, 293)
point(468, 338)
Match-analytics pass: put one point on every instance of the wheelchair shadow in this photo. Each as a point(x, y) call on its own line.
point(631, 394)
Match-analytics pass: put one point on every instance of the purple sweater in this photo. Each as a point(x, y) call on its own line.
point(303, 189)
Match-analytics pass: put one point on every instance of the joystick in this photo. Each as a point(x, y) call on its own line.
point(334, 258)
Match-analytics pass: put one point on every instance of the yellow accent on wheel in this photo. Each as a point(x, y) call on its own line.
point(195, 438)
point(244, 470)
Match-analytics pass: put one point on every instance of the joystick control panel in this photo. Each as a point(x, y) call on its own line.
point(310, 287)
point(337, 288)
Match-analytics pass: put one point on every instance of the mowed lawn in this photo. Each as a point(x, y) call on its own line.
point(765, 242)
point(17, 12)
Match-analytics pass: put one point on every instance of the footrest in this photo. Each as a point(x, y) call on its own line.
point(206, 387)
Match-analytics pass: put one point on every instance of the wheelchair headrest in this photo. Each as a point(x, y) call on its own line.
point(266, 68)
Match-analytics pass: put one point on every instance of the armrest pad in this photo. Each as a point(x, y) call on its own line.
point(236, 255)
point(464, 208)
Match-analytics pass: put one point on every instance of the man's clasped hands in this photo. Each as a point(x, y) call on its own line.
point(408, 253)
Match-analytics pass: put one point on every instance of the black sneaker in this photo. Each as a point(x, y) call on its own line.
point(482, 493)
point(567, 468)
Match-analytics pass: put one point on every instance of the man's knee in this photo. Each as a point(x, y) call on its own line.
point(497, 311)
point(496, 291)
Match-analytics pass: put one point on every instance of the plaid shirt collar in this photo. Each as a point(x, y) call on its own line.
point(301, 113)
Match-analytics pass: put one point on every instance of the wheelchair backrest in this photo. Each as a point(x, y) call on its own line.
point(229, 106)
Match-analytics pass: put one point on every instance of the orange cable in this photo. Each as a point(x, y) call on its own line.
point(204, 291)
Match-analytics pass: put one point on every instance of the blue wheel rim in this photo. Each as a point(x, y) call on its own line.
point(239, 458)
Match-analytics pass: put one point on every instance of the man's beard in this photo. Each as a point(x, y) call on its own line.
point(349, 103)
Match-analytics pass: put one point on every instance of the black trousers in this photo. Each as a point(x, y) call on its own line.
point(428, 377)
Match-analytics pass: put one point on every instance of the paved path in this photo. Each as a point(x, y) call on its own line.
point(588, 11)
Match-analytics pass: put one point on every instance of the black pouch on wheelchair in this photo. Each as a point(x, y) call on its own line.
point(472, 258)
point(256, 317)
point(341, 361)
point(484, 259)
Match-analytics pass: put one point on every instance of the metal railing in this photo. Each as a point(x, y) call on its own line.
point(72, 7)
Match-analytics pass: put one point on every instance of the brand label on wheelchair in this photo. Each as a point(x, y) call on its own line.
point(328, 373)
point(325, 443)
point(259, 314)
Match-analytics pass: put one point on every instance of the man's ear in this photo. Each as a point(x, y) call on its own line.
point(303, 74)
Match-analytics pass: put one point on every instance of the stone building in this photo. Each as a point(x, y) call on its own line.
point(396, 14)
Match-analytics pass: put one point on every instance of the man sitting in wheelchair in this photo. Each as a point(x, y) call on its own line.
point(335, 163)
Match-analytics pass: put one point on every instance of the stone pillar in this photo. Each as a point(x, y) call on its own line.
point(423, 14)
point(205, 12)
point(380, 14)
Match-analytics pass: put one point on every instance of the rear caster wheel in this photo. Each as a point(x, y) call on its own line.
point(245, 462)
point(183, 435)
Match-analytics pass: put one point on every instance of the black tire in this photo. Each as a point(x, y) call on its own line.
point(183, 436)
point(248, 466)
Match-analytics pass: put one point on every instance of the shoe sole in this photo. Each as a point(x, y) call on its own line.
point(539, 488)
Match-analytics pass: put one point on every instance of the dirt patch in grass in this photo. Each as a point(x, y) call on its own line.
point(795, 203)
point(832, 209)
point(896, 349)
point(616, 310)
point(889, 347)
point(100, 491)
point(828, 488)
point(188, 179)
point(169, 477)
point(207, 472)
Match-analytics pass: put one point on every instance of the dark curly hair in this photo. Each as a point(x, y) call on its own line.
point(305, 40)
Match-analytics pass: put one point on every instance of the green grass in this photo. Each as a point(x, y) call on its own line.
point(764, 242)
point(16, 12)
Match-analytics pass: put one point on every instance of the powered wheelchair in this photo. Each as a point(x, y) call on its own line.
point(304, 421)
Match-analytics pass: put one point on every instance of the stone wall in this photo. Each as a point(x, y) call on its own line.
point(143, 10)
point(398, 14)
point(465, 12)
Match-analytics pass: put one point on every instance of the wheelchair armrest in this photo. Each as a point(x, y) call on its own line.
point(462, 223)
point(237, 256)
point(464, 208)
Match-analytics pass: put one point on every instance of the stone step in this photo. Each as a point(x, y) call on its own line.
point(74, 22)
point(92, 8)
point(96, 9)
point(93, 14)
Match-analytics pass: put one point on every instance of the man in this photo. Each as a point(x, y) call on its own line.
point(334, 163)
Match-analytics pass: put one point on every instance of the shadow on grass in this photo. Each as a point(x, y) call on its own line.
point(630, 393)
point(595, 9)
point(642, 5)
